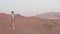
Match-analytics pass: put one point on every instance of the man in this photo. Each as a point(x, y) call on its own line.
point(12, 21)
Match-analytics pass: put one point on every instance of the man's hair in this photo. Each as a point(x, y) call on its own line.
point(12, 11)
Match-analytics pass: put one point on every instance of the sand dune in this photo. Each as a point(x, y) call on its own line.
point(31, 25)
point(50, 15)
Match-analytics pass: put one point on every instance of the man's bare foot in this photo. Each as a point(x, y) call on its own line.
point(9, 27)
point(13, 28)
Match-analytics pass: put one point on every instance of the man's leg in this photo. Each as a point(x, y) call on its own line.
point(13, 25)
point(10, 25)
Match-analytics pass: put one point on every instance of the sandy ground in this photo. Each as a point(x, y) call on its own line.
point(31, 25)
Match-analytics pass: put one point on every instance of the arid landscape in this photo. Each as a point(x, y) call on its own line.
point(30, 25)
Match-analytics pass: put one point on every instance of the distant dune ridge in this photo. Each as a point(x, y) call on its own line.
point(3, 15)
point(29, 25)
point(50, 15)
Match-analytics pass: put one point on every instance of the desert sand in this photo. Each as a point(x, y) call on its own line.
point(29, 25)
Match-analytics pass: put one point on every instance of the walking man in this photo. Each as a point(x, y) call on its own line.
point(12, 21)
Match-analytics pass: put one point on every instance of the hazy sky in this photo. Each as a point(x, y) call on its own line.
point(29, 7)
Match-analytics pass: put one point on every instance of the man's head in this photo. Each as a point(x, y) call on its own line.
point(12, 12)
